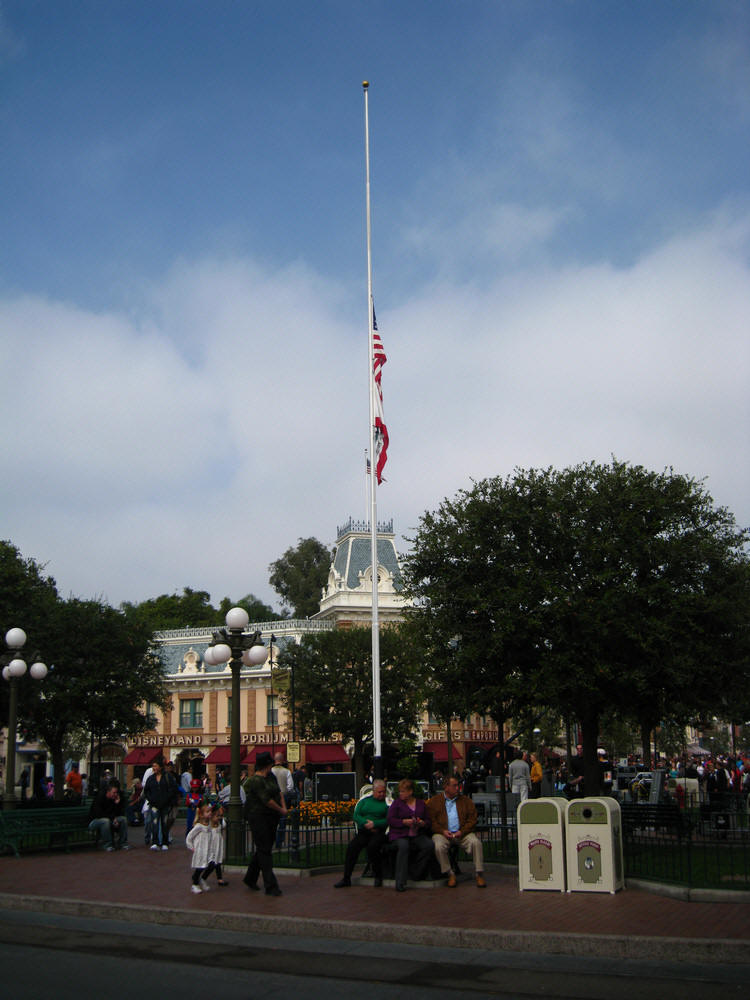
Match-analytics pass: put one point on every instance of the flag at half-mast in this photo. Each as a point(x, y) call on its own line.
point(381, 431)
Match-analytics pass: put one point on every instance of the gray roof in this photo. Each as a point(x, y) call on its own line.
point(353, 558)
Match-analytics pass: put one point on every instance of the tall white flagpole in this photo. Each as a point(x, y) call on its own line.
point(377, 740)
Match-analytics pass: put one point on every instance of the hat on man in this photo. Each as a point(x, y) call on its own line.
point(263, 760)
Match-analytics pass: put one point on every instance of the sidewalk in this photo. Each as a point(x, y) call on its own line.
point(144, 885)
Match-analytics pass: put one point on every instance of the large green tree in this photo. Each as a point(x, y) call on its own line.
point(102, 676)
point(27, 601)
point(333, 687)
point(299, 576)
point(258, 610)
point(596, 586)
point(191, 608)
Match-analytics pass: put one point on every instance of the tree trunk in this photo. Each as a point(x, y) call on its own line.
point(359, 763)
point(58, 763)
point(646, 745)
point(592, 777)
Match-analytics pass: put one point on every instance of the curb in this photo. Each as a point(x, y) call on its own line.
point(535, 942)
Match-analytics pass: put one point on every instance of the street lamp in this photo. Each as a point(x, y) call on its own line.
point(15, 640)
point(274, 710)
point(231, 645)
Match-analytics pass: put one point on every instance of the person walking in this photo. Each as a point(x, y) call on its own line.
point(519, 777)
point(263, 810)
point(158, 795)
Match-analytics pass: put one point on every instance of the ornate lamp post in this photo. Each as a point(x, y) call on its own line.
point(231, 645)
point(15, 639)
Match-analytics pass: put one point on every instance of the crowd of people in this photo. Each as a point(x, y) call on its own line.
point(414, 835)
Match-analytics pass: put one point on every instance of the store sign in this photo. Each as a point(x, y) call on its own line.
point(472, 735)
point(207, 739)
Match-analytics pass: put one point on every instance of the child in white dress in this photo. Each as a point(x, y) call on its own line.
point(199, 842)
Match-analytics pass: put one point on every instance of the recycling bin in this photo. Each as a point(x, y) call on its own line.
point(540, 825)
point(594, 845)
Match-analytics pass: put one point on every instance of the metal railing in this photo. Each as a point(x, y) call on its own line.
point(705, 847)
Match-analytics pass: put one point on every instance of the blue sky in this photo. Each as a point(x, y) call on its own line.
point(561, 226)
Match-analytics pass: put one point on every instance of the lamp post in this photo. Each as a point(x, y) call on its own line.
point(274, 710)
point(231, 645)
point(15, 639)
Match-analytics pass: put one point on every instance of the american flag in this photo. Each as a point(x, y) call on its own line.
point(381, 431)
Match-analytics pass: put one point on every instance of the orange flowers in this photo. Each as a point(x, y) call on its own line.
point(313, 813)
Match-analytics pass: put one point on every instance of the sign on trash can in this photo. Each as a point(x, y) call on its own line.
point(541, 844)
point(594, 846)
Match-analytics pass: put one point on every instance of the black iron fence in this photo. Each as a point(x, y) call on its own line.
point(704, 847)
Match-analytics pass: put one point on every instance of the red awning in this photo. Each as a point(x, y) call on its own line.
point(143, 755)
point(252, 752)
point(439, 752)
point(219, 755)
point(326, 753)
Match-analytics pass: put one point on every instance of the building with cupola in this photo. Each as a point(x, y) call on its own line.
point(195, 732)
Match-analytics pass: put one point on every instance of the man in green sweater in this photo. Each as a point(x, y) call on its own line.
point(371, 821)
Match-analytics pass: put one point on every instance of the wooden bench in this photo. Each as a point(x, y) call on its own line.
point(44, 829)
point(662, 816)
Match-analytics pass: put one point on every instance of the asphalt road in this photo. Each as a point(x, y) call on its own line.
point(49, 957)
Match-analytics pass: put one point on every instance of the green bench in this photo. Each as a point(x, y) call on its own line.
point(43, 829)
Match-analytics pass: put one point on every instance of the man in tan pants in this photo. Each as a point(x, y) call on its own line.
point(454, 817)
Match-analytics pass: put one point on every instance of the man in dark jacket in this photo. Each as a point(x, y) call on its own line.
point(108, 817)
point(160, 792)
point(263, 809)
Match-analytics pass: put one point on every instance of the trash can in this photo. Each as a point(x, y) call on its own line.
point(594, 846)
point(540, 824)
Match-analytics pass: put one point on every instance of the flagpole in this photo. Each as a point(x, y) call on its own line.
point(377, 744)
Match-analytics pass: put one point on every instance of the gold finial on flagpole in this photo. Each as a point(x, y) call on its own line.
point(365, 84)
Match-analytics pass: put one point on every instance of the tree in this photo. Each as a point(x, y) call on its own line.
point(191, 608)
point(256, 609)
point(299, 576)
point(102, 677)
point(333, 687)
point(27, 601)
point(587, 588)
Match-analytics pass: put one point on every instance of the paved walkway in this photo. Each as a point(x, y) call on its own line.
point(155, 886)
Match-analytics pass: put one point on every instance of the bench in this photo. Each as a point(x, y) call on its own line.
point(43, 829)
point(662, 816)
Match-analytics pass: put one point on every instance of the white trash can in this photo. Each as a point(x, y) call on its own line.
point(594, 845)
point(540, 824)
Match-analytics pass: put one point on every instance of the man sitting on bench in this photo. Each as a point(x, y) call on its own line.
point(108, 817)
point(371, 821)
point(453, 819)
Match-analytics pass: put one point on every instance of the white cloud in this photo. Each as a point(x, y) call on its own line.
point(192, 448)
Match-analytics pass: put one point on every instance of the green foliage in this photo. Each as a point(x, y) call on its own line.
point(406, 758)
point(583, 589)
point(27, 600)
point(333, 685)
point(191, 608)
point(101, 670)
point(299, 576)
point(102, 674)
point(256, 609)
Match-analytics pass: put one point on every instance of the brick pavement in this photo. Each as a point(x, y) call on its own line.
point(155, 886)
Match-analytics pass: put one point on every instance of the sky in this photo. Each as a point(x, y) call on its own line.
point(560, 246)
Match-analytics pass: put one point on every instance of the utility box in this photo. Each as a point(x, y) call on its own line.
point(540, 824)
point(336, 786)
point(594, 845)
